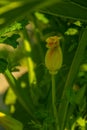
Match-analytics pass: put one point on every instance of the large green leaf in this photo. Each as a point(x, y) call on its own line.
point(69, 9)
point(80, 2)
point(17, 9)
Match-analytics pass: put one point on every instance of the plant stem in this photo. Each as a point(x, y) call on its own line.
point(54, 102)
point(17, 90)
point(12, 81)
point(63, 107)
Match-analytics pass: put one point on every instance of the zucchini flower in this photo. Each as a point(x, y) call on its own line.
point(53, 58)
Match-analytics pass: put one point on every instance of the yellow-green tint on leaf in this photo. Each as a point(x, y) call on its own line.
point(10, 123)
point(83, 67)
point(81, 122)
point(41, 17)
point(10, 6)
point(32, 76)
point(78, 23)
point(71, 31)
point(10, 97)
point(4, 2)
point(27, 45)
point(12, 109)
point(23, 84)
point(2, 20)
point(29, 61)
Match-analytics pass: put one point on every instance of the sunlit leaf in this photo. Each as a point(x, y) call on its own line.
point(41, 17)
point(68, 9)
point(16, 26)
point(81, 121)
point(71, 31)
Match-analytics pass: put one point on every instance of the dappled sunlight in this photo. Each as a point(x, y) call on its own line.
point(80, 123)
point(23, 84)
point(83, 67)
point(41, 17)
point(10, 100)
point(29, 61)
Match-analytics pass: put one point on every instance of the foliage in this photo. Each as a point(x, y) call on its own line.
point(25, 25)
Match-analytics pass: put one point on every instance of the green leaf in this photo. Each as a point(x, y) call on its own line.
point(19, 9)
point(22, 96)
point(80, 95)
point(71, 31)
point(17, 26)
point(14, 27)
point(10, 123)
point(3, 65)
point(12, 40)
point(63, 108)
point(76, 97)
point(68, 9)
point(11, 11)
point(70, 95)
point(80, 2)
point(10, 97)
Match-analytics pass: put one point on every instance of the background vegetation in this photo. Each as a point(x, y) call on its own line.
point(24, 28)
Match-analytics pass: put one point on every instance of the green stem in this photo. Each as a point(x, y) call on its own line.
point(17, 90)
point(12, 81)
point(54, 102)
point(64, 116)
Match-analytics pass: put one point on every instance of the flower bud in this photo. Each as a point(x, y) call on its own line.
point(53, 58)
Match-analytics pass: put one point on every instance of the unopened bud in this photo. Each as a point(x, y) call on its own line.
point(53, 58)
